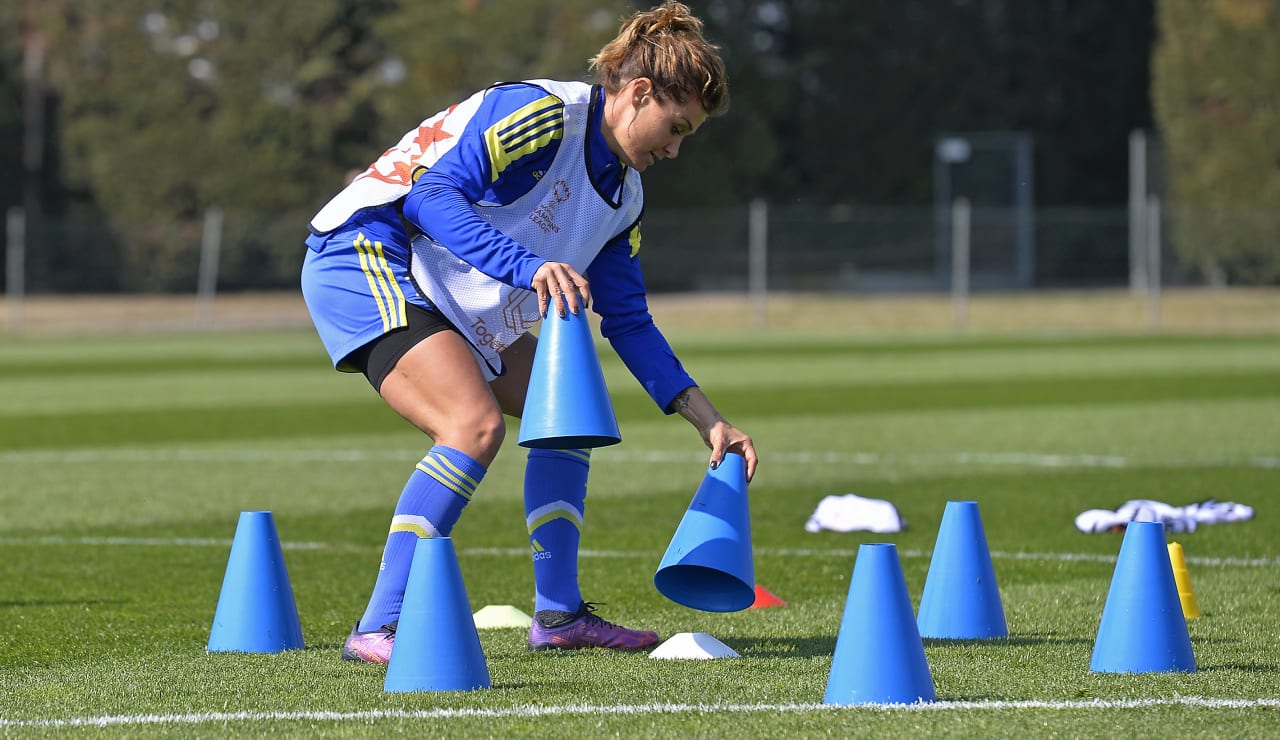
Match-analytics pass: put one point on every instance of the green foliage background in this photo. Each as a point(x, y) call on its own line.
point(1217, 98)
point(263, 113)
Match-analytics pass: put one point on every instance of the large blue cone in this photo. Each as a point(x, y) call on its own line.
point(1143, 629)
point(256, 612)
point(708, 564)
point(879, 656)
point(961, 600)
point(437, 646)
point(567, 406)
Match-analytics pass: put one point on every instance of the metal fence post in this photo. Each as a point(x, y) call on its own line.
point(15, 254)
point(1153, 261)
point(207, 280)
point(758, 261)
point(1138, 245)
point(960, 261)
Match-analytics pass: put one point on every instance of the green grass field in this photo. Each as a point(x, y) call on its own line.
point(126, 460)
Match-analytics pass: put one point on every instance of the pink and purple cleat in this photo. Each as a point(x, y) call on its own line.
point(370, 647)
point(582, 630)
point(586, 630)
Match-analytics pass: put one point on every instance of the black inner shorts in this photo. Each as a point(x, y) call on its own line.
point(376, 359)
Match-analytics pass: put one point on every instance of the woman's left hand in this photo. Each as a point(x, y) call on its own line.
point(724, 437)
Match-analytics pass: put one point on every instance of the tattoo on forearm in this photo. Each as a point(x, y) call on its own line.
point(681, 402)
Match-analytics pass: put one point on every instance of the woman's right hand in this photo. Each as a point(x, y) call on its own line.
point(558, 281)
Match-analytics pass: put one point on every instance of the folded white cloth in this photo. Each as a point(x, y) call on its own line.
point(850, 513)
point(1176, 519)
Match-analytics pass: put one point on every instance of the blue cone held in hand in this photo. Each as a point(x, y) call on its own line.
point(708, 564)
point(961, 600)
point(879, 657)
point(567, 406)
point(256, 612)
point(437, 646)
point(1143, 629)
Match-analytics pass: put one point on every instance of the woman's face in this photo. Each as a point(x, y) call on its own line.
point(641, 129)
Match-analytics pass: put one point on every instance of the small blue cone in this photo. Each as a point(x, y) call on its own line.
point(437, 645)
point(961, 600)
point(879, 656)
point(1143, 629)
point(256, 612)
point(567, 406)
point(708, 564)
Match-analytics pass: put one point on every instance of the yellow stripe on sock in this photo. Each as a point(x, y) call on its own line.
point(445, 480)
point(583, 455)
point(467, 480)
point(551, 512)
point(416, 524)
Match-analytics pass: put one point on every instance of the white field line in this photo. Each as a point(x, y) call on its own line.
point(517, 552)
point(526, 712)
point(996, 459)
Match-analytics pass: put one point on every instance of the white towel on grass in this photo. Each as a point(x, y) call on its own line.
point(1176, 519)
point(851, 513)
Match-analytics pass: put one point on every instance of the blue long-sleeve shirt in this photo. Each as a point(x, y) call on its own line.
point(440, 201)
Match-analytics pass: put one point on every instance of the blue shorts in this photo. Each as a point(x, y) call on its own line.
point(356, 283)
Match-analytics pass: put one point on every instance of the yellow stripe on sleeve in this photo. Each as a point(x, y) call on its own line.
point(524, 132)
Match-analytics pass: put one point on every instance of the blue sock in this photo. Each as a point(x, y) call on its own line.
point(429, 506)
point(555, 490)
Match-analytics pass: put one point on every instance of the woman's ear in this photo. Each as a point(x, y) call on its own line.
point(641, 90)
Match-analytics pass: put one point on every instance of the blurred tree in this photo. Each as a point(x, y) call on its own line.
point(452, 48)
point(1217, 98)
point(10, 106)
point(261, 109)
point(843, 101)
point(170, 108)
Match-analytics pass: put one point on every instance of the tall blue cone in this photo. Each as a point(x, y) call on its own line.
point(879, 656)
point(437, 646)
point(1143, 629)
point(961, 600)
point(256, 612)
point(567, 406)
point(708, 564)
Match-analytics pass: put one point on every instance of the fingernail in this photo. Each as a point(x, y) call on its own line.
point(714, 464)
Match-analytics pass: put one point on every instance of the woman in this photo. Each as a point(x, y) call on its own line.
point(426, 272)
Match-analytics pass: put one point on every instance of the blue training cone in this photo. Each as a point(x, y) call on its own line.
point(879, 656)
point(961, 600)
point(708, 564)
point(567, 406)
point(1143, 629)
point(437, 646)
point(256, 612)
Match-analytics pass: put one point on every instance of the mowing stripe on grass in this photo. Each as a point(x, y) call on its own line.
point(120, 427)
point(1012, 458)
point(517, 552)
point(527, 711)
point(306, 357)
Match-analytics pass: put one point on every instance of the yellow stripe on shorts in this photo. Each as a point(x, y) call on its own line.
point(382, 283)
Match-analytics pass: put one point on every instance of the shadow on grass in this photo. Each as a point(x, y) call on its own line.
point(777, 647)
point(1270, 668)
point(1015, 640)
point(59, 602)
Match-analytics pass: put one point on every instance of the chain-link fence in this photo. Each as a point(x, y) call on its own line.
point(800, 248)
